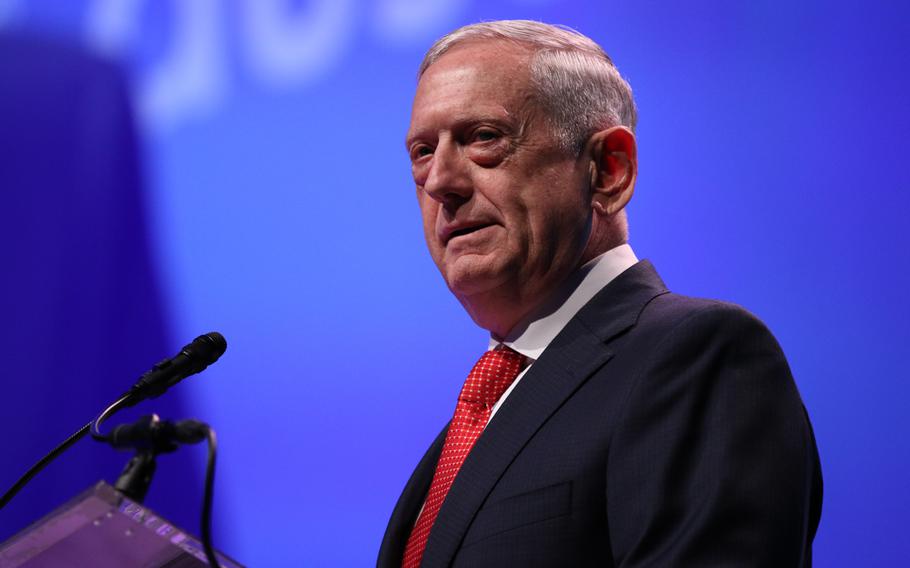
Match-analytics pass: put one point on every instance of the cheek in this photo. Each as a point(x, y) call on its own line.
point(428, 212)
point(489, 155)
point(552, 224)
point(420, 172)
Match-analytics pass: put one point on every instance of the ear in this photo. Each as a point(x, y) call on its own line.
point(614, 165)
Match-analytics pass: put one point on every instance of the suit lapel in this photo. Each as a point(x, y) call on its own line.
point(405, 513)
point(575, 354)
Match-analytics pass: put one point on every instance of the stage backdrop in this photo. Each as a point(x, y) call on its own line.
point(171, 168)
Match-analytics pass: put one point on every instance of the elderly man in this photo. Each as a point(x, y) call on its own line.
point(611, 422)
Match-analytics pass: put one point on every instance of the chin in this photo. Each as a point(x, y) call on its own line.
point(473, 275)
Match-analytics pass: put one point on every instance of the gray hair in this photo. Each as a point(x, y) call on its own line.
point(574, 79)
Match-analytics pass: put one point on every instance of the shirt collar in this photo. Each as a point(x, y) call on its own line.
point(531, 337)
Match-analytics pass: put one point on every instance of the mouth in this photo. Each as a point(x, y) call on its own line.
point(463, 231)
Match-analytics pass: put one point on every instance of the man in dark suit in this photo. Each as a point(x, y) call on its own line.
point(611, 422)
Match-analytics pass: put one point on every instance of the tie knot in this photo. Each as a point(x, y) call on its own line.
point(491, 376)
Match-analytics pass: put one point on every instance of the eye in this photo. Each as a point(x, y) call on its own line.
point(420, 151)
point(487, 145)
point(485, 135)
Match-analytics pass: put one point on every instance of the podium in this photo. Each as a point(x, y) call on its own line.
point(101, 528)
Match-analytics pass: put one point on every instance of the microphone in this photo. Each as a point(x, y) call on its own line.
point(192, 359)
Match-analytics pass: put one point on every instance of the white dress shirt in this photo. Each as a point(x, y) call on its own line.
point(531, 337)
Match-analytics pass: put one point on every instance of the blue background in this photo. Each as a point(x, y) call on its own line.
point(269, 198)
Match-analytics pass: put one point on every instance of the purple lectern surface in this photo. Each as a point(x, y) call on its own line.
point(103, 529)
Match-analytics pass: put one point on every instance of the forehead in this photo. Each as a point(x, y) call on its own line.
point(488, 78)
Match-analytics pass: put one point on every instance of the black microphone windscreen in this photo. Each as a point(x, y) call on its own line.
point(206, 349)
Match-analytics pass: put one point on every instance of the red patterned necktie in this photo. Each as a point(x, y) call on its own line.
point(489, 378)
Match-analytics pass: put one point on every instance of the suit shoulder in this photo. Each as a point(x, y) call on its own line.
point(669, 312)
point(675, 308)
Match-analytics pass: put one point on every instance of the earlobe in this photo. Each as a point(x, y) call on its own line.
point(613, 169)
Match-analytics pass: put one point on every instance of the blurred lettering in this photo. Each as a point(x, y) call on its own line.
point(282, 44)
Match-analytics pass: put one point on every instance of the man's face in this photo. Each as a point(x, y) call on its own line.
point(506, 212)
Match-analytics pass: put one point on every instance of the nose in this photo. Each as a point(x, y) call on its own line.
point(449, 180)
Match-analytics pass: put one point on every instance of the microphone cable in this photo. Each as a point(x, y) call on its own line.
point(51, 456)
point(205, 522)
point(65, 445)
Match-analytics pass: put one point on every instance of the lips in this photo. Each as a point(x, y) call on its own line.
point(461, 229)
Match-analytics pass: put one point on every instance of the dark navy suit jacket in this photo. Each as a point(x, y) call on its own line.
point(655, 430)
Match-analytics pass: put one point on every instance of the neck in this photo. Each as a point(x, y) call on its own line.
point(507, 308)
point(497, 313)
point(501, 309)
